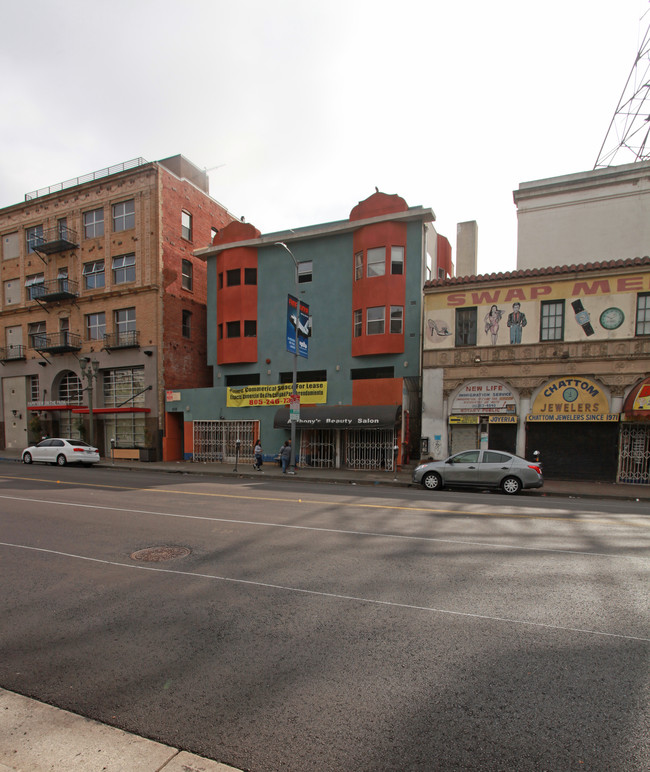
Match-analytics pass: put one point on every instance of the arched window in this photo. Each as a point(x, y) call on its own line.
point(70, 389)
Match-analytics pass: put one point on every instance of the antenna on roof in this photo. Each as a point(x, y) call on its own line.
point(627, 139)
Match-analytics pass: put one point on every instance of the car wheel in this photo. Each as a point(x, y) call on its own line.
point(61, 460)
point(511, 485)
point(432, 481)
point(27, 458)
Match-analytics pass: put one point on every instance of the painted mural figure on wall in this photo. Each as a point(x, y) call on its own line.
point(516, 322)
point(492, 319)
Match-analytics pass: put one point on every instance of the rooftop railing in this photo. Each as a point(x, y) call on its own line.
point(86, 178)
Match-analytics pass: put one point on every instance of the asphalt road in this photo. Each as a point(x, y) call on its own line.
point(331, 628)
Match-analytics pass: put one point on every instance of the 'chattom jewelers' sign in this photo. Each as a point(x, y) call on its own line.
point(571, 399)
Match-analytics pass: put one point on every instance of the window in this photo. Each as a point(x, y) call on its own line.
point(34, 388)
point(304, 376)
point(124, 216)
point(369, 373)
point(186, 225)
point(187, 273)
point(220, 331)
point(186, 324)
point(221, 281)
point(304, 271)
point(233, 277)
point(35, 286)
point(492, 457)
point(466, 326)
point(10, 246)
point(213, 232)
point(552, 320)
point(34, 237)
point(62, 279)
point(124, 320)
point(375, 320)
point(124, 269)
point(358, 266)
point(397, 260)
point(121, 388)
point(358, 323)
point(397, 320)
point(376, 260)
point(243, 379)
point(250, 328)
point(36, 334)
point(93, 274)
point(93, 224)
point(64, 330)
point(250, 275)
point(95, 326)
point(232, 329)
point(70, 388)
point(643, 314)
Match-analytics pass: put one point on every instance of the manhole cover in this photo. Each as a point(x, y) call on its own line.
point(156, 554)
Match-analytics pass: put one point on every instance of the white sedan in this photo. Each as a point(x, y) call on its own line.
point(55, 450)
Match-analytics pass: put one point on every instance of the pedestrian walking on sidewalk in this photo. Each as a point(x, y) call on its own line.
point(285, 455)
point(257, 452)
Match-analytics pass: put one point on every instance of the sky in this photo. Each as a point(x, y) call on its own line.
point(298, 109)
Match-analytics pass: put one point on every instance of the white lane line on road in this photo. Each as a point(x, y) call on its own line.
point(335, 596)
point(340, 531)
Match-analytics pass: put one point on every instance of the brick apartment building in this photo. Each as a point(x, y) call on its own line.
point(103, 303)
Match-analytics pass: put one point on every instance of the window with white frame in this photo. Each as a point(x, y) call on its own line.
point(304, 271)
point(397, 260)
point(34, 237)
point(93, 224)
point(358, 323)
point(358, 266)
point(376, 320)
point(552, 320)
point(397, 320)
point(35, 286)
point(95, 326)
point(376, 262)
point(124, 216)
point(93, 274)
point(643, 314)
point(36, 333)
point(124, 269)
point(186, 225)
point(187, 270)
point(34, 388)
point(124, 320)
point(125, 388)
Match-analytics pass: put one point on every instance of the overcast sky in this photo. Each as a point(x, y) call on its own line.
point(300, 108)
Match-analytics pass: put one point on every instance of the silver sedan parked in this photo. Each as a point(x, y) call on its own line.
point(56, 450)
point(480, 469)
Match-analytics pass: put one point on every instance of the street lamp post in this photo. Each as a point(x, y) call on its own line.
point(89, 369)
point(294, 391)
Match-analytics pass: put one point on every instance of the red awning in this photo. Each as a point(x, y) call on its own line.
point(637, 404)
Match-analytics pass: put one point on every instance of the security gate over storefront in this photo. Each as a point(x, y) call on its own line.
point(370, 449)
point(634, 454)
point(217, 440)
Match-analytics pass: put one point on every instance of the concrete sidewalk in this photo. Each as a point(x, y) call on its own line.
point(35, 737)
point(400, 478)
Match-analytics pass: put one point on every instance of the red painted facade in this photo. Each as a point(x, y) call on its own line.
point(236, 299)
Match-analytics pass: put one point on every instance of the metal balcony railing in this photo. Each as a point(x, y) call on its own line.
point(56, 342)
point(55, 239)
point(117, 340)
point(10, 353)
point(54, 289)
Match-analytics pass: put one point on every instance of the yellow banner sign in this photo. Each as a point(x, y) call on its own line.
point(314, 393)
point(463, 419)
point(503, 419)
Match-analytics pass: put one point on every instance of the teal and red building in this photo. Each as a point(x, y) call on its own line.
point(361, 279)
